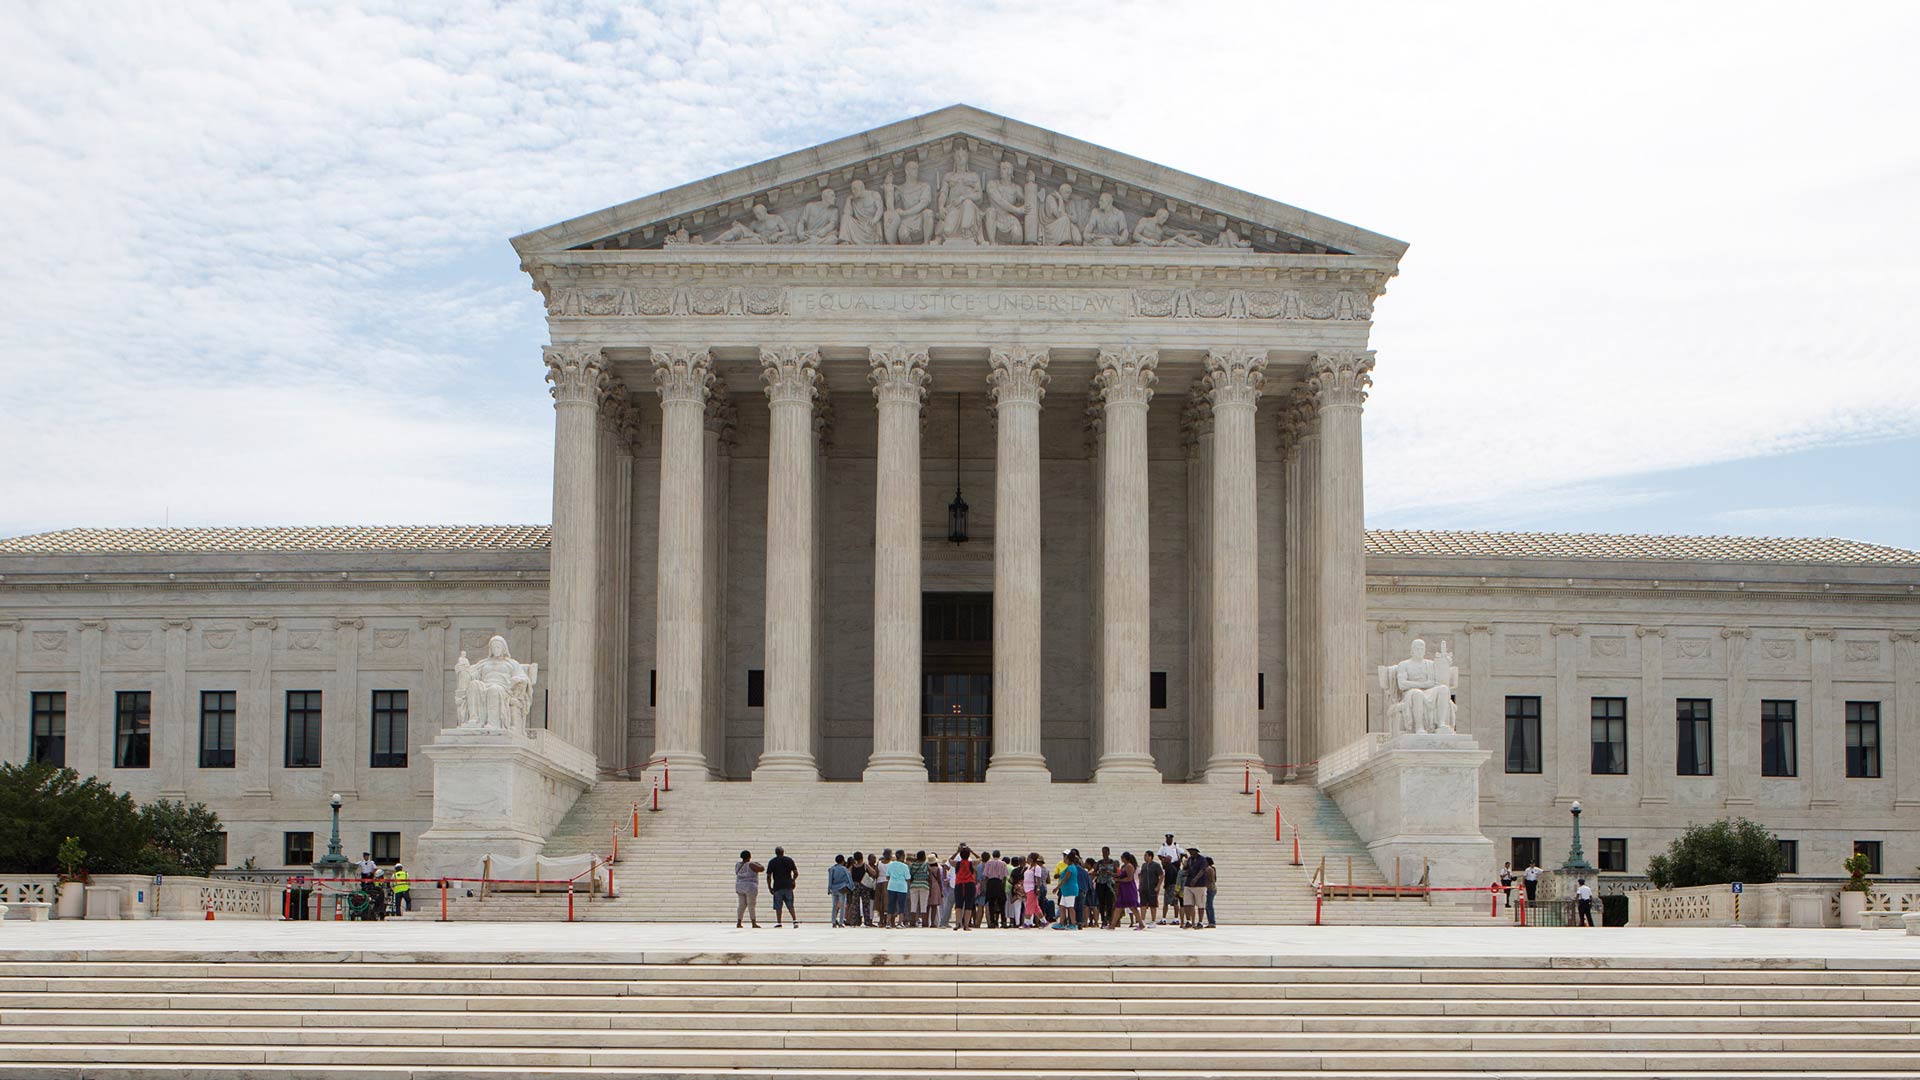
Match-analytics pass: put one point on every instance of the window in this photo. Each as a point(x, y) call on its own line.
point(133, 729)
point(653, 687)
point(220, 849)
point(1609, 736)
point(756, 689)
point(1260, 690)
point(1523, 734)
point(1693, 753)
point(385, 847)
point(1871, 849)
point(1789, 856)
point(1863, 739)
point(1613, 855)
point(1778, 756)
point(49, 742)
point(1156, 690)
point(217, 708)
point(299, 849)
point(389, 730)
point(1525, 851)
point(303, 729)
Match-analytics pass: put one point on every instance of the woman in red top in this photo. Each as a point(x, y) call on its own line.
point(964, 884)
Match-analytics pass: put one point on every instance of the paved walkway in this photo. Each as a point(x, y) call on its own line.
point(423, 940)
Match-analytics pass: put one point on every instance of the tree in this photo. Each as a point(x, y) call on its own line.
point(1717, 853)
point(182, 838)
point(41, 805)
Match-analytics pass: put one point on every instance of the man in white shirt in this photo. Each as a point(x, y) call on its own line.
point(1170, 850)
point(1583, 894)
point(1531, 876)
point(368, 867)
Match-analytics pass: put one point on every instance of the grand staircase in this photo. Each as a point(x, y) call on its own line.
point(680, 866)
point(325, 1016)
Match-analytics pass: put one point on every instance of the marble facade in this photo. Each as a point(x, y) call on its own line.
point(1151, 390)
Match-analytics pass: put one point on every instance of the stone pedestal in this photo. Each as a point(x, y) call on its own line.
point(497, 793)
point(1415, 798)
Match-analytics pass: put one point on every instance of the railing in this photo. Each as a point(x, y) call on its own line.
point(28, 888)
point(1350, 757)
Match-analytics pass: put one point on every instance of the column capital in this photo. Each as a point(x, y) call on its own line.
point(1906, 635)
point(899, 375)
point(430, 622)
point(1337, 377)
point(1566, 628)
point(345, 623)
point(177, 624)
point(1235, 376)
point(577, 373)
point(1735, 632)
point(1126, 376)
point(682, 372)
point(792, 373)
point(1478, 628)
point(1650, 631)
point(1016, 376)
point(263, 624)
point(1815, 633)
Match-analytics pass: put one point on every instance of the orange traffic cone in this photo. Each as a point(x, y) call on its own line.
point(209, 914)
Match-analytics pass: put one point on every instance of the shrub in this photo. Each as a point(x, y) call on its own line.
point(52, 821)
point(182, 838)
point(1717, 853)
point(1613, 911)
point(1856, 868)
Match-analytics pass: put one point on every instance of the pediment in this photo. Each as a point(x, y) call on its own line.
point(983, 180)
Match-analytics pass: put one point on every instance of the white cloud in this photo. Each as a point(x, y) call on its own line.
point(268, 241)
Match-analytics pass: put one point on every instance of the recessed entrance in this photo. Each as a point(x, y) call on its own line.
point(956, 696)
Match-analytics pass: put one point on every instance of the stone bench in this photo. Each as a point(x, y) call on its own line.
point(1882, 920)
point(1912, 919)
point(36, 912)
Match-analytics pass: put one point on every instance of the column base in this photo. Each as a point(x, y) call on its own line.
point(1233, 770)
point(1019, 769)
point(1126, 769)
point(787, 767)
point(895, 768)
point(684, 768)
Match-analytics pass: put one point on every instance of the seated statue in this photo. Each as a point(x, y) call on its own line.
point(1056, 217)
point(1009, 206)
point(1107, 224)
point(861, 218)
point(1420, 691)
point(909, 213)
point(959, 208)
point(766, 229)
point(820, 220)
point(495, 694)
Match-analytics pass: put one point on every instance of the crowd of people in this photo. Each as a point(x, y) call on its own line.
point(1167, 886)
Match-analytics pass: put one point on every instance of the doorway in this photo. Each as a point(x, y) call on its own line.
point(956, 696)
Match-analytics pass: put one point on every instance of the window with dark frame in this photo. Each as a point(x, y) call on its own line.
point(48, 743)
point(385, 847)
point(389, 730)
point(653, 688)
point(298, 849)
point(1260, 691)
point(1863, 740)
point(1779, 752)
point(1609, 736)
point(1613, 855)
point(303, 729)
point(1789, 856)
point(1693, 749)
point(756, 688)
point(133, 729)
point(218, 710)
point(1523, 734)
point(1871, 849)
point(220, 849)
point(1156, 690)
point(1525, 852)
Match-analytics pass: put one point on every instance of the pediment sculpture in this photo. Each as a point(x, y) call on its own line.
point(1420, 691)
point(495, 694)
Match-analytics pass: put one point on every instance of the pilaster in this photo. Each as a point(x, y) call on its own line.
point(1572, 719)
point(1651, 756)
point(1478, 716)
point(344, 729)
point(435, 714)
point(792, 378)
point(1826, 729)
point(13, 723)
point(1905, 710)
point(683, 376)
point(1126, 378)
point(256, 724)
point(1016, 384)
point(90, 724)
point(175, 729)
point(900, 385)
point(1743, 733)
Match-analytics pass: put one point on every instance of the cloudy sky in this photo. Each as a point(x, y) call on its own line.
point(1662, 277)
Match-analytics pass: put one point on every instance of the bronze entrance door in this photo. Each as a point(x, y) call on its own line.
point(956, 695)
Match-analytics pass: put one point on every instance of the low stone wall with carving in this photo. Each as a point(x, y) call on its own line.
point(20, 889)
point(1760, 905)
point(191, 897)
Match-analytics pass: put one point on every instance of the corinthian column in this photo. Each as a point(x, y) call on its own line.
point(792, 376)
point(900, 389)
point(1298, 424)
point(1339, 381)
point(1234, 379)
point(684, 377)
point(1196, 429)
point(1126, 378)
point(1017, 382)
point(578, 384)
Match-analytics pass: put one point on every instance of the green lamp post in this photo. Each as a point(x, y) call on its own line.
point(1577, 859)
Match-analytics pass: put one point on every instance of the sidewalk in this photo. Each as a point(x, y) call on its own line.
point(418, 939)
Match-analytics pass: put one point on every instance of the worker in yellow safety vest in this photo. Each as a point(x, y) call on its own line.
point(402, 891)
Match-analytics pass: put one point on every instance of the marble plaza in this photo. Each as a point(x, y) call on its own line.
point(960, 450)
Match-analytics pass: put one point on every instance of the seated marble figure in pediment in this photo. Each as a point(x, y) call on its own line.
point(959, 193)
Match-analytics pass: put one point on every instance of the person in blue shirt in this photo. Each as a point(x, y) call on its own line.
point(839, 888)
point(1067, 879)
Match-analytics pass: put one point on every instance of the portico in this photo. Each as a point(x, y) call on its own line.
point(1157, 429)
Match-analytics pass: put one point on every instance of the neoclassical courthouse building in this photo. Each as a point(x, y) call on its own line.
point(962, 450)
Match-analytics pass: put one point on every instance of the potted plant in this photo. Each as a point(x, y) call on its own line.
point(71, 902)
point(1853, 895)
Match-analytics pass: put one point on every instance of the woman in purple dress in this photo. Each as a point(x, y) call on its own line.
point(1127, 891)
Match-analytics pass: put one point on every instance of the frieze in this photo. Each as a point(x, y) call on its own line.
point(1199, 302)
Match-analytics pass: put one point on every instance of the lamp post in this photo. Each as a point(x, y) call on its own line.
point(1577, 859)
point(334, 863)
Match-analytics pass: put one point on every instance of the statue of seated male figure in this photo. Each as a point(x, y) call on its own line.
point(1420, 691)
